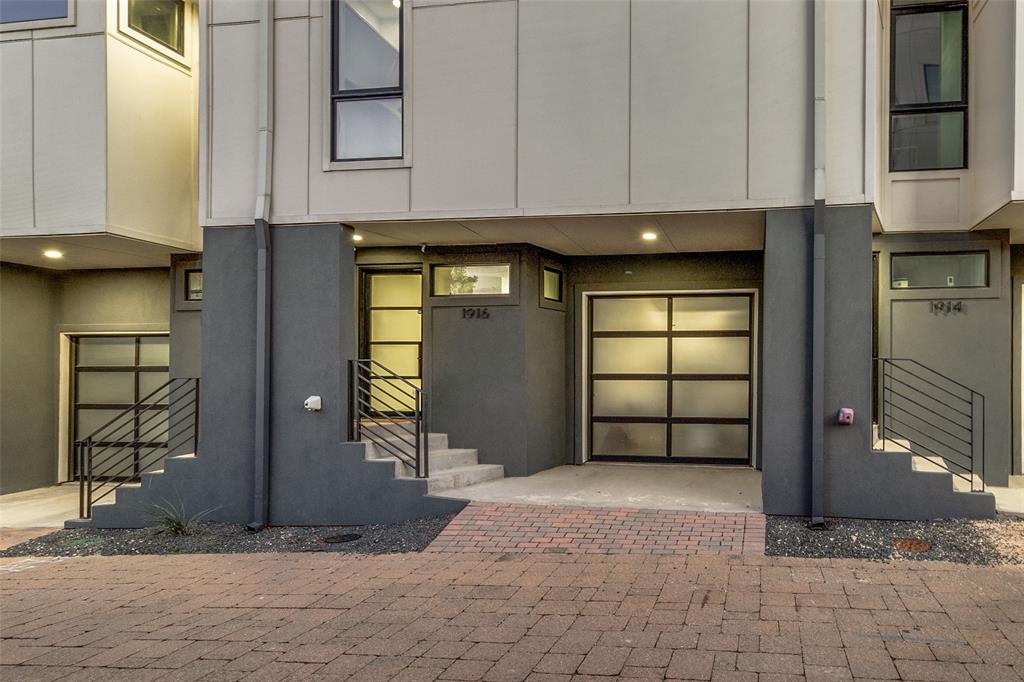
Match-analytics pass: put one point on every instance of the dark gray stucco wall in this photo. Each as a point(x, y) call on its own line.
point(316, 478)
point(858, 481)
point(186, 321)
point(28, 409)
point(786, 351)
point(1017, 305)
point(37, 306)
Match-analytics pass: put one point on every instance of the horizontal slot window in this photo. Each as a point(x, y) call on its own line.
point(939, 270)
point(472, 280)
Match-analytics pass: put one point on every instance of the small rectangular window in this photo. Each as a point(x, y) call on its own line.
point(160, 20)
point(961, 270)
point(552, 284)
point(472, 280)
point(366, 90)
point(18, 11)
point(928, 86)
point(193, 285)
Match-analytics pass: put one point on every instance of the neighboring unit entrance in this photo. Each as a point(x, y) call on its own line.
point(392, 331)
point(669, 377)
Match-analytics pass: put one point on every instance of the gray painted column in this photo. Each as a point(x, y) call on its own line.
point(785, 374)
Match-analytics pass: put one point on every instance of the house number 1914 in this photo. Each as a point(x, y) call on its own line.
point(476, 314)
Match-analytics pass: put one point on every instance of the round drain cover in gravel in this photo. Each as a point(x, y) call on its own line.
point(916, 545)
point(345, 537)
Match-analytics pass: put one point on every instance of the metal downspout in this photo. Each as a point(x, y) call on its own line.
point(818, 286)
point(261, 226)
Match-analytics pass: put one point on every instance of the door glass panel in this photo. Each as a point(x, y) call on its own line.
point(402, 359)
point(725, 441)
point(105, 351)
point(711, 313)
point(150, 381)
point(710, 399)
point(154, 350)
point(106, 387)
point(392, 395)
point(711, 355)
point(630, 356)
point(91, 420)
point(629, 439)
point(630, 399)
point(394, 325)
point(630, 314)
point(395, 291)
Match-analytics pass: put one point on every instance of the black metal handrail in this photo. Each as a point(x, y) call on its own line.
point(137, 440)
point(931, 416)
point(396, 407)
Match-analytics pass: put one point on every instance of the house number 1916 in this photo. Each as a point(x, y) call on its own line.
point(476, 314)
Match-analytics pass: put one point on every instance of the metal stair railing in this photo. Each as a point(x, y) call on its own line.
point(164, 422)
point(931, 416)
point(389, 411)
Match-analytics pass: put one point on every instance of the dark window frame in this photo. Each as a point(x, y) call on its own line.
point(972, 252)
point(561, 284)
point(959, 106)
point(187, 291)
point(671, 377)
point(364, 94)
point(470, 264)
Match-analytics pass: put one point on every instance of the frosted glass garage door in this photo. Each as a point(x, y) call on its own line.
point(669, 377)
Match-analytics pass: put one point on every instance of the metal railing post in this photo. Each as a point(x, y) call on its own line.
point(426, 434)
point(977, 438)
point(80, 459)
point(195, 418)
point(419, 445)
point(88, 487)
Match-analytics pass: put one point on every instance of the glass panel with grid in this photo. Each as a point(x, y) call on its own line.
point(669, 377)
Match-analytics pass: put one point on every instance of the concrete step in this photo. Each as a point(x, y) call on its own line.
point(460, 477)
point(438, 441)
point(439, 461)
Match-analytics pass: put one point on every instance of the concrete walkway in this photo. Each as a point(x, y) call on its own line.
point(539, 618)
point(640, 486)
point(30, 513)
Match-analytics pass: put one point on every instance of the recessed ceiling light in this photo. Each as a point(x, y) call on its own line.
point(53, 253)
point(357, 237)
point(396, 3)
point(649, 236)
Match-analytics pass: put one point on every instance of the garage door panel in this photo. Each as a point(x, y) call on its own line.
point(669, 377)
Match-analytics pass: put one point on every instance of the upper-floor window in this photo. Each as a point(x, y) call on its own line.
point(160, 20)
point(928, 86)
point(366, 80)
point(20, 15)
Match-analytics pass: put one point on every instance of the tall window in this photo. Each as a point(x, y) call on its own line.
point(366, 90)
point(928, 86)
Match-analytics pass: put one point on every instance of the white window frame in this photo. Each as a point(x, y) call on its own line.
point(139, 37)
point(69, 20)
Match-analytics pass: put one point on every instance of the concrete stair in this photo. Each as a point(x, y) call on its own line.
point(449, 467)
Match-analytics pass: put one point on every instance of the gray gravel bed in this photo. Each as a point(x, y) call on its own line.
point(962, 541)
point(225, 538)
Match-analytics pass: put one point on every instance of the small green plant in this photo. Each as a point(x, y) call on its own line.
point(172, 519)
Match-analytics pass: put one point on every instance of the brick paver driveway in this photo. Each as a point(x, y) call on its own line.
point(486, 527)
point(507, 617)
